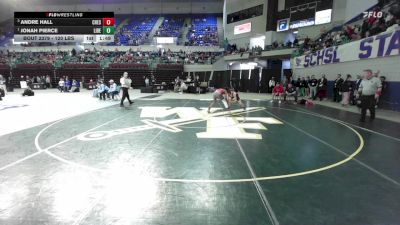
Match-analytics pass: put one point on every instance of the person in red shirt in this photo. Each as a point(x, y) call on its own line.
point(278, 91)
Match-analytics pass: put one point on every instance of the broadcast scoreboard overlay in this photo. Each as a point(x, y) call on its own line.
point(84, 27)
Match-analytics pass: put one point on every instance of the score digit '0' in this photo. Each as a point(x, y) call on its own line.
point(108, 21)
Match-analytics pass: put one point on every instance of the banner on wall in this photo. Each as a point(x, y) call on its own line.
point(381, 45)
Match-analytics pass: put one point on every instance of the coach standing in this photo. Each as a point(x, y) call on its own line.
point(370, 89)
point(125, 85)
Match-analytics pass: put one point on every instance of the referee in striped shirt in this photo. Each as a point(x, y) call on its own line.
point(370, 89)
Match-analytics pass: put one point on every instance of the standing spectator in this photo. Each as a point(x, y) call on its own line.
point(322, 87)
point(126, 83)
point(313, 83)
point(302, 87)
point(336, 88)
point(307, 87)
point(146, 81)
point(364, 28)
point(346, 89)
point(358, 81)
point(61, 85)
point(29, 82)
point(383, 91)
point(3, 83)
point(297, 84)
point(271, 84)
point(48, 81)
point(370, 89)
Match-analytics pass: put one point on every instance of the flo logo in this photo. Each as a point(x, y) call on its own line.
point(219, 124)
point(373, 14)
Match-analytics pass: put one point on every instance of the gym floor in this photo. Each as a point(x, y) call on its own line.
point(167, 161)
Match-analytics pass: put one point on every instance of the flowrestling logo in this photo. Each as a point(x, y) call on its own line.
point(302, 23)
point(374, 14)
point(219, 124)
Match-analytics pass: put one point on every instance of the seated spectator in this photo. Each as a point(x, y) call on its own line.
point(75, 86)
point(67, 85)
point(183, 87)
point(102, 90)
point(113, 89)
point(278, 92)
point(291, 92)
point(91, 85)
point(95, 92)
point(61, 85)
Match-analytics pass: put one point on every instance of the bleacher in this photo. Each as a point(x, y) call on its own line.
point(136, 31)
point(171, 26)
point(203, 31)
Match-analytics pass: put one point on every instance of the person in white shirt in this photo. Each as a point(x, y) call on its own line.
point(61, 85)
point(126, 83)
point(183, 88)
point(271, 84)
point(370, 90)
point(113, 89)
point(3, 83)
point(48, 81)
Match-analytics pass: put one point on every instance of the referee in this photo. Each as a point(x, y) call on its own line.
point(125, 85)
point(370, 89)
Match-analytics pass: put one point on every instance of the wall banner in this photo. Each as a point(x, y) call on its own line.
point(381, 45)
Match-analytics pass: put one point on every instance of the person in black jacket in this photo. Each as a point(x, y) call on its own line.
point(384, 86)
point(313, 84)
point(337, 87)
point(347, 88)
point(298, 84)
point(322, 87)
point(303, 85)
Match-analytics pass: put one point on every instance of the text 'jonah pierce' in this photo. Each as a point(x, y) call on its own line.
point(38, 30)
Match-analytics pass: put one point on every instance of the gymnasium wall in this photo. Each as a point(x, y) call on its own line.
point(389, 67)
point(258, 24)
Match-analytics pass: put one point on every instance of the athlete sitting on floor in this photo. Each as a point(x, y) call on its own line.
point(221, 94)
point(234, 98)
